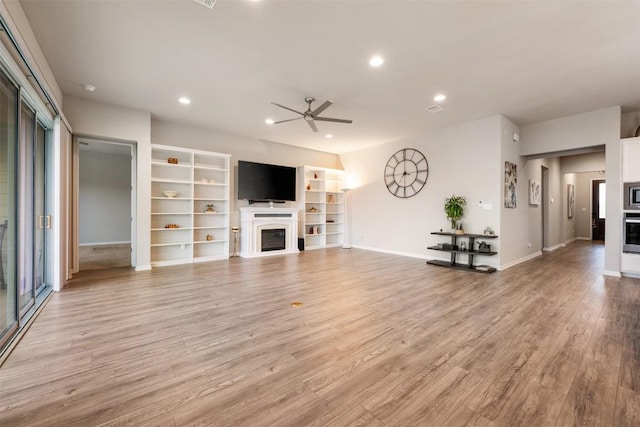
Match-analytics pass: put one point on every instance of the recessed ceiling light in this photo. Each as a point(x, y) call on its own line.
point(89, 88)
point(269, 121)
point(328, 136)
point(376, 61)
point(184, 100)
point(439, 97)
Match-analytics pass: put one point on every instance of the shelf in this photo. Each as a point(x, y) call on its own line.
point(156, 245)
point(211, 168)
point(170, 213)
point(165, 163)
point(210, 213)
point(312, 235)
point(170, 198)
point(171, 229)
point(458, 266)
point(186, 177)
point(333, 232)
point(435, 248)
point(475, 236)
point(171, 181)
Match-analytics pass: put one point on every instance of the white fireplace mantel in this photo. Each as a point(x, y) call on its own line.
point(255, 219)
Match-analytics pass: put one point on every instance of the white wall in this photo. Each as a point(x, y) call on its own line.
point(570, 133)
point(106, 121)
point(593, 129)
point(513, 221)
point(590, 162)
point(105, 197)
point(551, 202)
point(463, 160)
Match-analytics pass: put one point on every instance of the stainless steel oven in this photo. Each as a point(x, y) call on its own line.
point(632, 196)
point(631, 233)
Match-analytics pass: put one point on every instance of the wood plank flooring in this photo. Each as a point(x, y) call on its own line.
point(379, 340)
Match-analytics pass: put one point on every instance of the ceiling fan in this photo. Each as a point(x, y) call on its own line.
point(311, 116)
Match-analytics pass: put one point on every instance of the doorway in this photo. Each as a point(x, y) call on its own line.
point(544, 213)
point(105, 198)
point(598, 208)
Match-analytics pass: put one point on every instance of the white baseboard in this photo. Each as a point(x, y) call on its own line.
point(611, 273)
point(520, 261)
point(632, 275)
point(105, 243)
point(570, 241)
point(552, 248)
point(407, 254)
point(143, 267)
point(583, 238)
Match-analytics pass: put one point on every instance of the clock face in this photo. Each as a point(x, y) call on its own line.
point(406, 173)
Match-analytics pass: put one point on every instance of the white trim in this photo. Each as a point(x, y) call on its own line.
point(143, 268)
point(570, 241)
point(632, 275)
point(552, 248)
point(520, 261)
point(105, 243)
point(583, 238)
point(57, 275)
point(611, 273)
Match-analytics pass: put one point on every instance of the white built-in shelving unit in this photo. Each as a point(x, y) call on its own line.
point(201, 178)
point(321, 219)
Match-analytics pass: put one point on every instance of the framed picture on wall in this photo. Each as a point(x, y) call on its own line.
point(571, 200)
point(534, 192)
point(510, 184)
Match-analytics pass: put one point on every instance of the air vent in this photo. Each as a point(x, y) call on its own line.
point(207, 3)
point(435, 108)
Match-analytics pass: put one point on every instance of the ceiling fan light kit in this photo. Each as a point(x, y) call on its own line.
point(311, 116)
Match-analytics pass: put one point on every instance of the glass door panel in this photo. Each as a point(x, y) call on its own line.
point(41, 220)
point(8, 225)
point(26, 290)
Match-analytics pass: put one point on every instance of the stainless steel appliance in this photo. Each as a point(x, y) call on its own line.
point(631, 233)
point(632, 196)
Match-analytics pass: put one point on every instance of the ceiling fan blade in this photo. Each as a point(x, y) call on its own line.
point(323, 107)
point(287, 108)
point(329, 119)
point(288, 120)
point(312, 125)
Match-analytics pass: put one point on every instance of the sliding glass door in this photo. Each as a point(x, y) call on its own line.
point(42, 221)
point(26, 220)
point(8, 225)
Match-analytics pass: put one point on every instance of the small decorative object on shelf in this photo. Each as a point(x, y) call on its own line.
point(170, 193)
point(209, 237)
point(172, 226)
point(172, 160)
point(488, 231)
point(308, 186)
point(330, 198)
point(315, 175)
point(459, 229)
point(463, 246)
point(484, 247)
point(313, 209)
point(210, 209)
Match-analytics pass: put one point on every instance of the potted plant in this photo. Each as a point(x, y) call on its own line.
point(454, 208)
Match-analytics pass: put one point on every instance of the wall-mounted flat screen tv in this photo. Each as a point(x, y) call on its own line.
point(261, 182)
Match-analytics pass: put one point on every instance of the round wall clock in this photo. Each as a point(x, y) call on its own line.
point(406, 173)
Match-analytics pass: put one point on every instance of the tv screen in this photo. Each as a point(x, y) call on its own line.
point(262, 182)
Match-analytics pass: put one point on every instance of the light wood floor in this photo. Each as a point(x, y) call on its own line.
point(379, 340)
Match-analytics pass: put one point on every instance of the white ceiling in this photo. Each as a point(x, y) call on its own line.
point(530, 61)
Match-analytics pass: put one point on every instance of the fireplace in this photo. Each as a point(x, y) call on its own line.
point(273, 239)
point(268, 231)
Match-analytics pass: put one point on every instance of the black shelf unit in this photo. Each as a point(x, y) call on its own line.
point(469, 266)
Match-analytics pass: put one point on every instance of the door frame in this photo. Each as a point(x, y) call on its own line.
point(75, 193)
point(591, 205)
